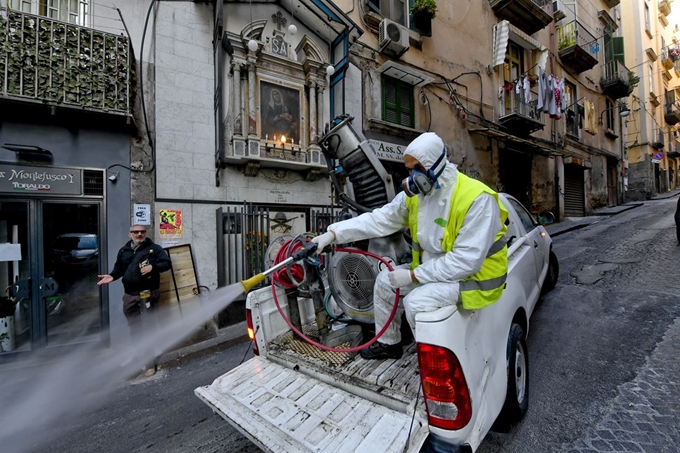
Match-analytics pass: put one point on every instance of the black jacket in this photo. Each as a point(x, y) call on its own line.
point(130, 262)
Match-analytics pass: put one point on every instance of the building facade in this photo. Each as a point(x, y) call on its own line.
point(651, 142)
point(214, 141)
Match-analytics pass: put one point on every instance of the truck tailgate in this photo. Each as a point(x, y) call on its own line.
point(280, 409)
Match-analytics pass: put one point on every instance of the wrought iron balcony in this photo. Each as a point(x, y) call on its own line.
point(664, 7)
point(576, 46)
point(672, 113)
point(674, 149)
point(668, 56)
point(46, 61)
point(527, 15)
point(612, 3)
point(519, 116)
point(616, 80)
point(657, 138)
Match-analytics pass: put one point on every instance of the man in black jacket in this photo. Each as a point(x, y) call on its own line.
point(140, 263)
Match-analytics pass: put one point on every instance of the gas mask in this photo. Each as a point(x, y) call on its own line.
point(423, 182)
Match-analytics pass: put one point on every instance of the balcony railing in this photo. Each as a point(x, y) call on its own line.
point(669, 55)
point(272, 154)
point(519, 115)
point(657, 138)
point(672, 113)
point(576, 46)
point(57, 63)
point(529, 16)
point(616, 80)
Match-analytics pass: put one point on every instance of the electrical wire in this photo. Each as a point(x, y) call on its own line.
point(141, 90)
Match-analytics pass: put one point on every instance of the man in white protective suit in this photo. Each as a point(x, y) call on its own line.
point(459, 253)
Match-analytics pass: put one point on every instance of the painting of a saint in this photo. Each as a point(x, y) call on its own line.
point(280, 111)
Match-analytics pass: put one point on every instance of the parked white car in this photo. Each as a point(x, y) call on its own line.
point(467, 371)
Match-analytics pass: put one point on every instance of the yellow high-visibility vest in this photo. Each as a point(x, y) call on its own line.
point(486, 286)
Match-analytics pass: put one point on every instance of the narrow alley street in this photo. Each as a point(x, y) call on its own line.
point(604, 344)
point(603, 361)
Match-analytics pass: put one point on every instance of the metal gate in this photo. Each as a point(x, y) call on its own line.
point(574, 200)
point(251, 235)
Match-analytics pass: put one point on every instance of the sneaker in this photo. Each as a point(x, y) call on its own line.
point(380, 351)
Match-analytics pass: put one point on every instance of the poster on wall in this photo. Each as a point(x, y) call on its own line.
point(170, 224)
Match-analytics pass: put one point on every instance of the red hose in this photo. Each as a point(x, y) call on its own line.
point(276, 279)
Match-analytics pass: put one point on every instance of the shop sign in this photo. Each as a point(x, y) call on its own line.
point(22, 179)
point(388, 151)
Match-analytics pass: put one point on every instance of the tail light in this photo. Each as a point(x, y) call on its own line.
point(251, 331)
point(447, 398)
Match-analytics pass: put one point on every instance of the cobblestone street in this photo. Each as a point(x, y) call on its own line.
point(604, 345)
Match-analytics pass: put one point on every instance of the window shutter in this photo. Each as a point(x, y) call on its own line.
point(405, 102)
point(617, 47)
point(390, 105)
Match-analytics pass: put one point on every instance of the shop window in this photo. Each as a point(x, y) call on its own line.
point(397, 102)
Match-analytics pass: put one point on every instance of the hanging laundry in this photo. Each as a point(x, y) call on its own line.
point(591, 128)
point(526, 84)
point(542, 80)
point(581, 115)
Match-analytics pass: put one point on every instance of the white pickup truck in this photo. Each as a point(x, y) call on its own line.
point(466, 371)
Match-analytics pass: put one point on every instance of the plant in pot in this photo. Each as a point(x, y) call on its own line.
point(423, 11)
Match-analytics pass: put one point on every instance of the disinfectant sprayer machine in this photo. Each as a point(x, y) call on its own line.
point(361, 184)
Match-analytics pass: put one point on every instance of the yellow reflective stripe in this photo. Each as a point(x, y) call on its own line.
point(483, 285)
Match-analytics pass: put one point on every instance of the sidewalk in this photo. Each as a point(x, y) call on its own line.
point(575, 223)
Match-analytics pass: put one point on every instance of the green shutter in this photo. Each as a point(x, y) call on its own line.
point(397, 102)
point(617, 47)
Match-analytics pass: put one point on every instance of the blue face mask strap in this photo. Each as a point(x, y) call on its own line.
point(434, 176)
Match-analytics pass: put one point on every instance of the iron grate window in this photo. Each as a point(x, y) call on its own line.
point(93, 182)
point(397, 102)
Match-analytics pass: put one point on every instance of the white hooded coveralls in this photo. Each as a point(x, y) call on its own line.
point(440, 272)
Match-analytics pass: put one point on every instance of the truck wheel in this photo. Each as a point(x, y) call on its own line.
point(517, 395)
point(552, 275)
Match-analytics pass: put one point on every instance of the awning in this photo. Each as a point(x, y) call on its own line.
point(503, 32)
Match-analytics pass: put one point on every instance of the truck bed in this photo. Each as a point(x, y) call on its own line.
point(397, 381)
point(303, 399)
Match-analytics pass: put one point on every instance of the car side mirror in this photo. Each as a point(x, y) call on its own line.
point(546, 218)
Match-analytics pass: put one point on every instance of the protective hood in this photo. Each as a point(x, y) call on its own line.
point(427, 148)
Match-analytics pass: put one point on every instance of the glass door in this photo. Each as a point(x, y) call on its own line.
point(15, 277)
point(70, 243)
point(49, 261)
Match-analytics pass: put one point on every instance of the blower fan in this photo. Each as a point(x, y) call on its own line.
point(351, 278)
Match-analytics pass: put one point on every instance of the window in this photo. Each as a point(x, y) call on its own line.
point(513, 68)
point(573, 109)
point(652, 88)
point(397, 102)
point(524, 216)
point(394, 10)
point(610, 112)
point(340, 63)
point(648, 27)
point(73, 11)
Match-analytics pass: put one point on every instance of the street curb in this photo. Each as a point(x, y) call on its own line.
point(628, 207)
point(226, 338)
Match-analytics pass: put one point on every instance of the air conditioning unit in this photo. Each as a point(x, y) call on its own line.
point(393, 37)
point(558, 11)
